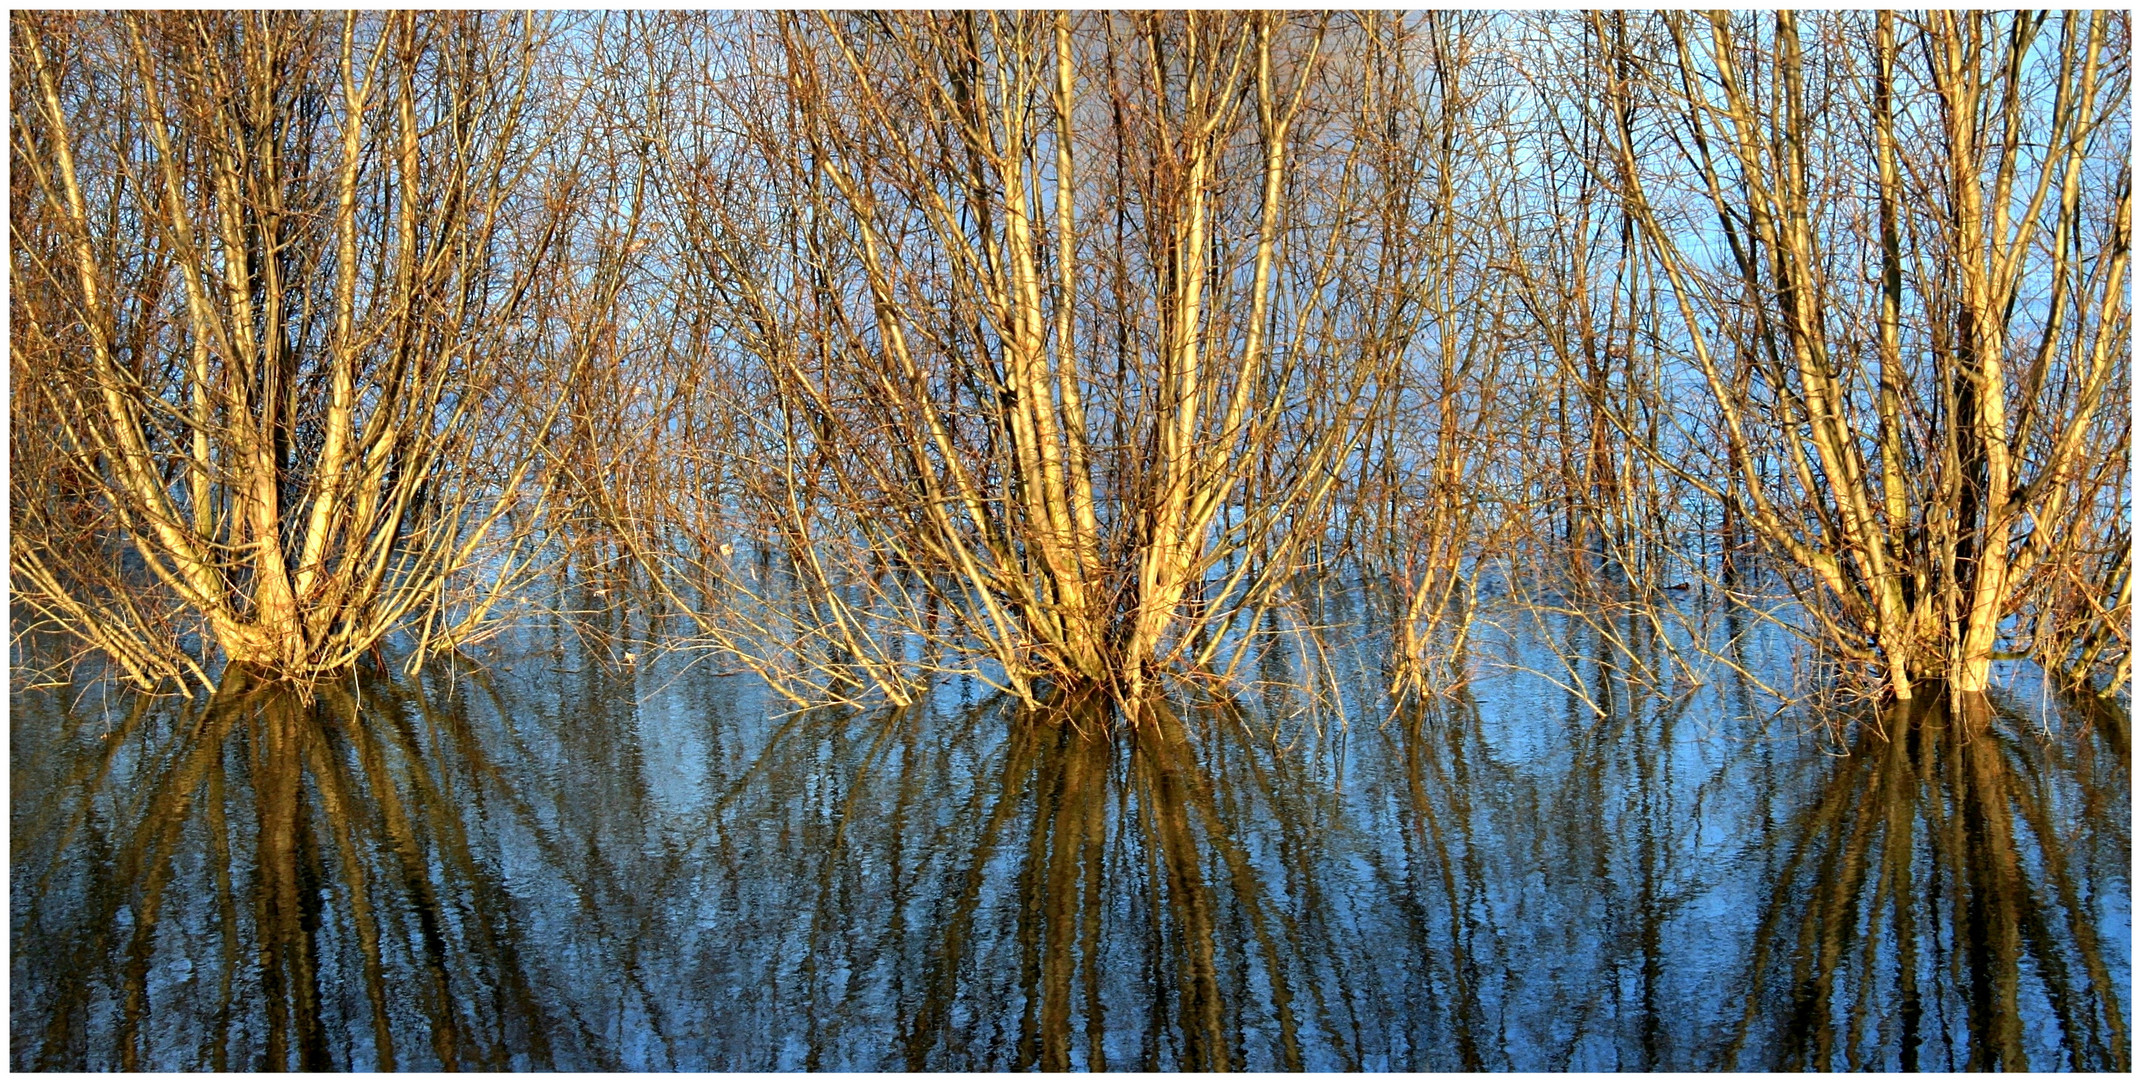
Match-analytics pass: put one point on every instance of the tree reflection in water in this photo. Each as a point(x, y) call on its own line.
point(563, 866)
point(1927, 912)
point(270, 883)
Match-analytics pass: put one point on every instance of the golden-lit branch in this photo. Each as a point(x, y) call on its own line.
point(287, 293)
point(1930, 468)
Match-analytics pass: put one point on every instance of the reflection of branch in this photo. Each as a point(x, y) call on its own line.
point(143, 862)
point(488, 912)
point(1945, 777)
point(2033, 800)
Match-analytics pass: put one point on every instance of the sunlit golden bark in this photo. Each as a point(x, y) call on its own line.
point(1040, 302)
point(287, 290)
point(1934, 427)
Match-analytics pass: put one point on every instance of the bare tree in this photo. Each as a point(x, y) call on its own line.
point(1065, 326)
point(292, 299)
point(1908, 278)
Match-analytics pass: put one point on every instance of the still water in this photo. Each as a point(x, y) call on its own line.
point(559, 864)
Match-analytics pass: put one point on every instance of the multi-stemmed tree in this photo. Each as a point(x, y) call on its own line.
point(1898, 250)
point(292, 298)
